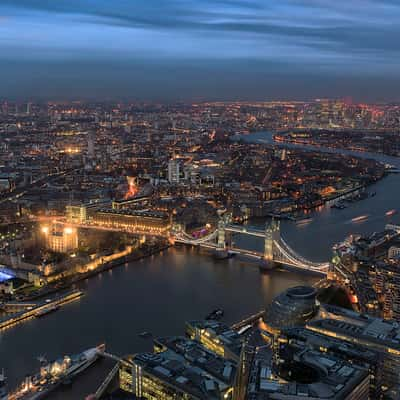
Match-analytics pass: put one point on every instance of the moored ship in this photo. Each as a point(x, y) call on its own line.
point(53, 374)
point(47, 310)
point(215, 315)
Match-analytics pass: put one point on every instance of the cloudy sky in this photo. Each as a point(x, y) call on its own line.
point(200, 49)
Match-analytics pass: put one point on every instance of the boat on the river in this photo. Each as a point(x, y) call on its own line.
point(55, 373)
point(303, 221)
point(360, 218)
point(390, 213)
point(215, 315)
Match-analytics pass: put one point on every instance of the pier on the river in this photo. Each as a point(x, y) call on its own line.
point(24, 311)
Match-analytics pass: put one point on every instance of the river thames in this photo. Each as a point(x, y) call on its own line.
point(158, 294)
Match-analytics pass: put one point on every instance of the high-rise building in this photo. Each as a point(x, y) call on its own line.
point(386, 282)
point(90, 145)
point(174, 170)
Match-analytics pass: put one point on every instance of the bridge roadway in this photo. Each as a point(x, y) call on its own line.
point(290, 262)
point(245, 230)
point(285, 255)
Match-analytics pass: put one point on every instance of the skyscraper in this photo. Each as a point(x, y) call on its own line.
point(90, 144)
point(174, 170)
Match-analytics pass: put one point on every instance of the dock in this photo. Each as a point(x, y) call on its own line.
point(95, 381)
point(36, 309)
point(249, 320)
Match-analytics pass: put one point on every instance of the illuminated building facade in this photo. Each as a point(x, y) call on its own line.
point(59, 238)
point(160, 377)
point(216, 337)
point(76, 214)
point(387, 286)
point(179, 368)
point(125, 376)
point(193, 353)
point(130, 220)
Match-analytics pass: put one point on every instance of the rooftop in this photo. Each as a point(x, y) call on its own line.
point(228, 336)
point(192, 352)
point(312, 375)
point(173, 372)
point(359, 328)
point(134, 213)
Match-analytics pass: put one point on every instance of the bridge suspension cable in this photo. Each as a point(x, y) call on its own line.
point(302, 259)
point(292, 258)
point(184, 237)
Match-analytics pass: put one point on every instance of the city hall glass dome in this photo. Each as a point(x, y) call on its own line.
point(293, 307)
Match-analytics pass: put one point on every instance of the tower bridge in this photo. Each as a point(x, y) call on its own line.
point(276, 249)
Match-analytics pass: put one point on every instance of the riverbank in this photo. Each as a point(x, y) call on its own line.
point(125, 301)
point(39, 309)
point(345, 176)
point(103, 267)
point(355, 143)
point(267, 137)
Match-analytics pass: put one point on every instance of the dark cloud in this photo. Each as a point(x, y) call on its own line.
point(295, 39)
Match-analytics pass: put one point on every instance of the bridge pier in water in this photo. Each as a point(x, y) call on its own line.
point(221, 251)
point(223, 239)
point(272, 235)
point(276, 250)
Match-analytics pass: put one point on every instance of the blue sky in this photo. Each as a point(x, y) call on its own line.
point(195, 49)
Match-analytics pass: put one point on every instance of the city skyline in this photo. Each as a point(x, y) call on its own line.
point(199, 200)
point(237, 221)
point(221, 50)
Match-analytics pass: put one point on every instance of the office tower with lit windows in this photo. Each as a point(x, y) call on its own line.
point(386, 283)
point(216, 337)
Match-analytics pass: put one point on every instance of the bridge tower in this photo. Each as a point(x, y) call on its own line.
point(221, 243)
point(272, 235)
point(221, 250)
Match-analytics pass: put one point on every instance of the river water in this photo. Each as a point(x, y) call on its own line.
point(158, 294)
